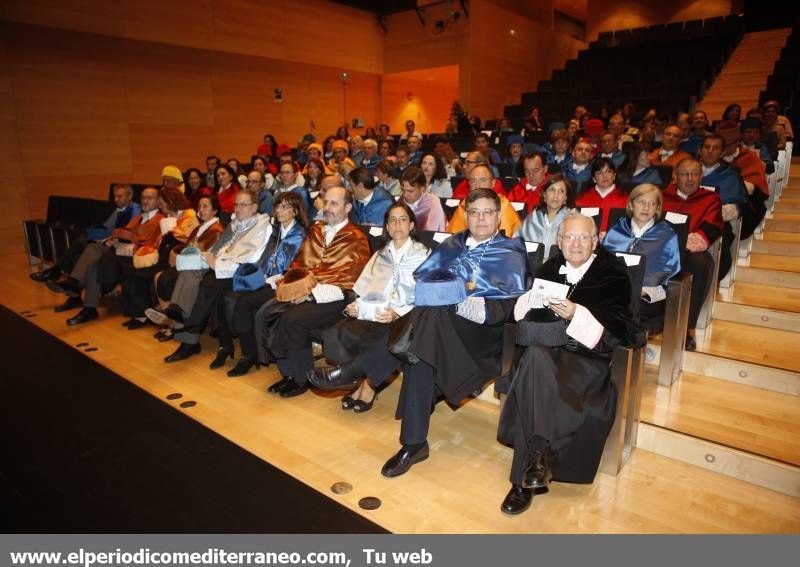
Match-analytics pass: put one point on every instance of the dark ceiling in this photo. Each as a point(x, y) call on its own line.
point(380, 7)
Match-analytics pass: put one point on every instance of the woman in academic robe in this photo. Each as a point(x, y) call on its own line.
point(227, 188)
point(640, 232)
point(636, 169)
point(556, 201)
point(385, 292)
point(436, 176)
point(243, 242)
point(177, 224)
point(180, 288)
point(561, 403)
point(605, 194)
point(291, 222)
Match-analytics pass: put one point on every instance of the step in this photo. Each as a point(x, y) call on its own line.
point(757, 345)
point(740, 465)
point(742, 417)
point(788, 205)
point(782, 225)
point(763, 296)
point(777, 236)
point(778, 278)
point(776, 248)
point(742, 372)
point(776, 263)
point(757, 316)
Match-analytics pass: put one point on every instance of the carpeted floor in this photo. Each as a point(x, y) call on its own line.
point(84, 450)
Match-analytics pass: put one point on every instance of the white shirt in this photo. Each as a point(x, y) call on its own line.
point(365, 201)
point(578, 168)
point(604, 192)
point(638, 171)
point(731, 157)
point(708, 170)
point(666, 153)
point(205, 226)
point(148, 215)
point(285, 230)
point(331, 230)
point(638, 232)
point(574, 275)
point(397, 257)
point(472, 243)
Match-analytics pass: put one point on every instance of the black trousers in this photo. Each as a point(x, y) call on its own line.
point(209, 305)
point(701, 266)
point(752, 218)
point(366, 344)
point(166, 283)
point(417, 396)
point(292, 344)
point(651, 315)
point(241, 307)
point(66, 262)
point(137, 288)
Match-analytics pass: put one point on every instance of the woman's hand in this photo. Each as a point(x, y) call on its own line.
point(209, 258)
point(351, 309)
point(564, 308)
point(386, 315)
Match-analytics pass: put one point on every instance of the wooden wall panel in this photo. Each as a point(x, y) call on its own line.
point(409, 45)
point(433, 92)
point(155, 145)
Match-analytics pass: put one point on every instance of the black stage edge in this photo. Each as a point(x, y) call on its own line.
point(85, 451)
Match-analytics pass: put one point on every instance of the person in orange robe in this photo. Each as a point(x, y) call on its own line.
point(480, 177)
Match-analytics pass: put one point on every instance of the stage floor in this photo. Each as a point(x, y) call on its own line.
point(458, 490)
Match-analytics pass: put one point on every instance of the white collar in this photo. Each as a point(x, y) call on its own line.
point(285, 231)
point(578, 168)
point(530, 187)
point(332, 230)
point(607, 155)
point(605, 193)
point(148, 215)
point(638, 232)
point(707, 170)
point(683, 195)
point(365, 201)
point(731, 157)
point(122, 209)
point(205, 226)
point(416, 203)
point(472, 243)
point(638, 171)
point(574, 275)
point(397, 255)
point(667, 153)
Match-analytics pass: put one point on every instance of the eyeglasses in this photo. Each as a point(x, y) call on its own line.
point(474, 213)
point(243, 205)
point(476, 180)
point(643, 203)
point(284, 206)
point(582, 238)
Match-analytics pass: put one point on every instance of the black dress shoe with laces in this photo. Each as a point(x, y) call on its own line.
point(293, 389)
point(517, 500)
point(184, 351)
point(404, 459)
point(336, 377)
point(135, 324)
point(279, 385)
point(243, 367)
point(84, 315)
point(538, 474)
point(70, 304)
point(222, 355)
point(45, 275)
point(69, 287)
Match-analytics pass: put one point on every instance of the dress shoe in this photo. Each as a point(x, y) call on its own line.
point(45, 275)
point(517, 500)
point(70, 304)
point(293, 389)
point(360, 406)
point(171, 314)
point(243, 367)
point(184, 351)
point(164, 335)
point(222, 355)
point(135, 324)
point(84, 315)
point(347, 403)
point(279, 385)
point(69, 287)
point(401, 461)
point(691, 344)
point(538, 474)
point(336, 377)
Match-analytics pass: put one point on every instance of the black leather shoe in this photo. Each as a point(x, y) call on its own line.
point(691, 344)
point(517, 500)
point(48, 274)
point(403, 460)
point(243, 367)
point(222, 356)
point(335, 377)
point(70, 304)
point(171, 314)
point(84, 315)
point(360, 406)
point(538, 474)
point(69, 287)
point(293, 389)
point(135, 324)
point(279, 385)
point(184, 351)
point(347, 403)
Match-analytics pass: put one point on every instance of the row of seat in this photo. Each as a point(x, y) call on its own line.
point(660, 33)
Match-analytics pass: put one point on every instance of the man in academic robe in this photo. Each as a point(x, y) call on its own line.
point(698, 132)
point(528, 189)
point(668, 153)
point(464, 294)
point(124, 210)
point(370, 202)
point(334, 251)
point(480, 177)
point(474, 158)
point(751, 140)
point(686, 195)
point(753, 173)
point(718, 173)
point(609, 148)
point(561, 403)
point(88, 277)
point(414, 143)
point(426, 206)
point(577, 169)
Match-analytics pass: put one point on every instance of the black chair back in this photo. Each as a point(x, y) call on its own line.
point(449, 205)
point(596, 217)
point(374, 236)
point(665, 173)
point(431, 238)
point(636, 264)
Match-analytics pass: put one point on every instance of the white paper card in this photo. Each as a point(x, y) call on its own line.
point(441, 236)
point(517, 205)
point(630, 259)
point(546, 292)
point(376, 230)
point(676, 218)
point(452, 202)
point(590, 211)
point(531, 246)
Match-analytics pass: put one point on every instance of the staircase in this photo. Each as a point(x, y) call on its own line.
point(736, 406)
point(745, 73)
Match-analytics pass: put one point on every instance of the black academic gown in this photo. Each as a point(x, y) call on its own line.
point(563, 394)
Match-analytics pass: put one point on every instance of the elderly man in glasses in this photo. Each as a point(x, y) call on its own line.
point(464, 294)
point(561, 403)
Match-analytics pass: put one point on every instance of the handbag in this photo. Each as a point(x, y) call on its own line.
point(401, 335)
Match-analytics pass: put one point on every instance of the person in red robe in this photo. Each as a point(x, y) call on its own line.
point(461, 190)
point(528, 189)
point(604, 194)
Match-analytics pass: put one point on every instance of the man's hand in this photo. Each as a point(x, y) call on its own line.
point(729, 212)
point(352, 309)
point(386, 315)
point(696, 243)
point(564, 308)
